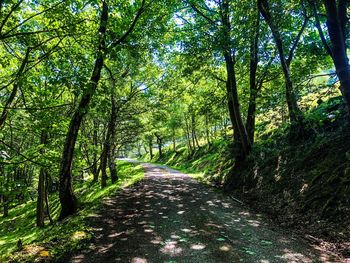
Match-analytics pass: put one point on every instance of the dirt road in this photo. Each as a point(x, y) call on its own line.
point(170, 217)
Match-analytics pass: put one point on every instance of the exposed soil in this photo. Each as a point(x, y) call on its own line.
point(170, 217)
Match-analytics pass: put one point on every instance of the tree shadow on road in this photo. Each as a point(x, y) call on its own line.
point(169, 217)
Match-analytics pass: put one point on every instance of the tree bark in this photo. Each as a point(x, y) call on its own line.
point(111, 153)
point(48, 212)
point(150, 145)
point(295, 114)
point(40, 205)
point(174, 140)
point(253, 67)
point(14, 89)
point(207, 133)
point(159, 142)
point(94, 167)
point(67, 198)
point(5, 206)
point(42, 188)
point(336, 25)
point(112, 167)
point(240, 132)
point(188, 136)
point(104, 156)
point(193, 130)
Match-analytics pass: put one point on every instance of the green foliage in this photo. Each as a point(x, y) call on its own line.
point(73, 233)
point(166, 82)
point(208, 164)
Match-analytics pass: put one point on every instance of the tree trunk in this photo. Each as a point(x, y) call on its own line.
point(5, 206)
point(150, 145)
point(239, 128)
point(48, 213)
point(240, 133)
point(254, 60)
point(112, 164)
point(67, 199)
point(159, 142)
point(103, 164)
point(174, 142)
point(94, 167)
point(42, 187)
point(4, 196)
point(295, 114)
point(193, 130)
point(145, 147)
point(139, 148)
point(40, 205)
point(112, 168)
point(336, 25)
point(207, 133)
point(188, 136)
point(111, 152)
point(15, 89)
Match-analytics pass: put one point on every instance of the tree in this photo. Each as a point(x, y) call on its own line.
point(67, 198)
point(295, 114)
point(337, 25)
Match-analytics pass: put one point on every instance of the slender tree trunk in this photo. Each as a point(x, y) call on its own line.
point(5, 200)
point(196, 138)
point(336, 24)
point(107, 154)
point(239, 128)
point(174, 141)
point(112, 167)
point(295, 114)
point(40, 205)
point(94, 167)
point(5, 206)
point(67, 198)
point(103, 165)
point(215, 130)
point(150, 145)
point(111, 152)
point(240, 132)
point(139, 147)
point(192, 131)
point(42, 187)
point(159, 142)
point(14, 89)
point(2, 202)
point(254, 60)
point(160, 148)
point(145, 147)
point(207, 133)
point(188, 135)
point(48, 213)
point(2, 186)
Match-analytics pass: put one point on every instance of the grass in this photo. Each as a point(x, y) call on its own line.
point(206, 164)
point(72, 233)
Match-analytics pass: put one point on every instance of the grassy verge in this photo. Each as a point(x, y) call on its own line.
point(52, 242)
point(207, 164)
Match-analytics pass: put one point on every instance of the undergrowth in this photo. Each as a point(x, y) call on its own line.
point(19, 233)
point(304, 183)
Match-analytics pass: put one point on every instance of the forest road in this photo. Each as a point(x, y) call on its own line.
point(170, 217)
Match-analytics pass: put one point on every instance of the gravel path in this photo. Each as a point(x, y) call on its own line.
point(169, 217)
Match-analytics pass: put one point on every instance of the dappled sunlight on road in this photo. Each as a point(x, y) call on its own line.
point(169, 217)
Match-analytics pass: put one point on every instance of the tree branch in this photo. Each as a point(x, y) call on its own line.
point(296, 41)
point(132, 26)
point(319, 28)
